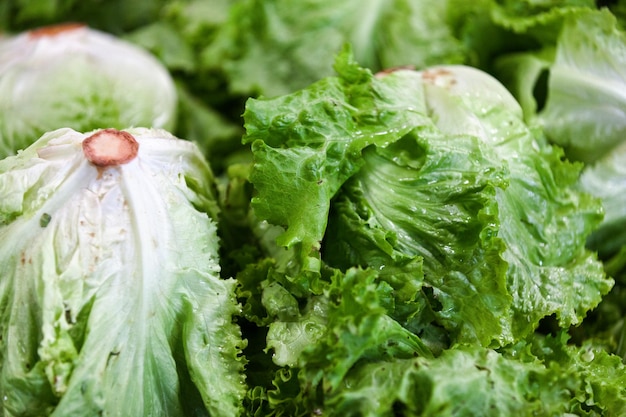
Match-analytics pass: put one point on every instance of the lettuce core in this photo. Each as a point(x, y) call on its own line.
point(110, 147)
point(53, 30)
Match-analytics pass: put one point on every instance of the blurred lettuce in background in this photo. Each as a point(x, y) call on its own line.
point(73, 76)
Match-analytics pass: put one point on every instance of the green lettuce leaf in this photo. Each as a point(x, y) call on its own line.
point(579, 106)
point(315, 341)
point(595, 377)
point(543, 376)
point(573, 87)
point(314, 163)
point(443, 209)
point(466, 381)
point(606, 179)
point(587, 120)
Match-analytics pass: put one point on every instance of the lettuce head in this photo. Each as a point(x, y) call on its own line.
point(439, 167)
point(111, 301)
point(425, 234)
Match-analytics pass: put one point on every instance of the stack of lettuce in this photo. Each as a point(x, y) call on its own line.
point(424, 216)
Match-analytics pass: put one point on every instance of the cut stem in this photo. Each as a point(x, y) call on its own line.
point(54, 30)
point(110, 147)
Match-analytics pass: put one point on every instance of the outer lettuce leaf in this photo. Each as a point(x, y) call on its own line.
point(596, 377)
point(587, 120)
point(332, 121)
point(110, 298)
point(465, 381)
point(317, 340)
point(347, 363)
point(543, 376)
point(606, 179)
point(580, 107)
point(359, 306)
point(544, 220)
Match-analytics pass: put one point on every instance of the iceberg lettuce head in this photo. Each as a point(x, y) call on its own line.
point(111, 300)
point(438, 167)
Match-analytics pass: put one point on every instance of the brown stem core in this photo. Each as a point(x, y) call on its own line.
point(53, 30)
point(110, 147)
